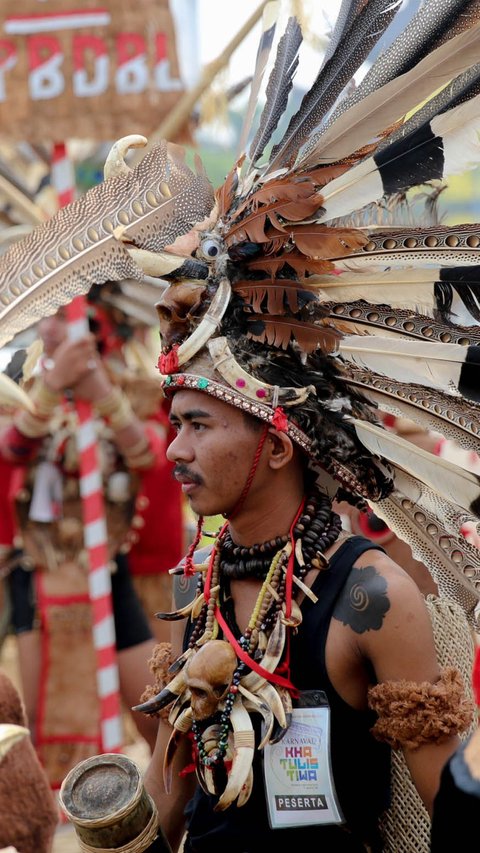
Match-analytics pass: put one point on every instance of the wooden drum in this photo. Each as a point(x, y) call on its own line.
point(105, 799)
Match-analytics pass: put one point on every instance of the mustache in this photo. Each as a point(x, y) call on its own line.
point(181, 470)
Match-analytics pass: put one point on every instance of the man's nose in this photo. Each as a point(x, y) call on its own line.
point(179, 448)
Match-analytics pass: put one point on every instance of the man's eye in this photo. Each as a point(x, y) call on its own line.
point(197, 426)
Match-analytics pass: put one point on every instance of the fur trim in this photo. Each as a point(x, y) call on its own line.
point(412, 713)
point(28, 811)
point(159, 664)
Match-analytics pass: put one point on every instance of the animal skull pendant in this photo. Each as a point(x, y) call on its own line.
point(208, 676)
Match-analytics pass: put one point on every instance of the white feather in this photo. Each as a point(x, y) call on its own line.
point(458, 129)
point(410, 287)
point(449, 481)
point(427, 363)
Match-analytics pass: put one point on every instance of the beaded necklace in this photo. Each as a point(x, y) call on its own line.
point(279, 563)
point(315, 531)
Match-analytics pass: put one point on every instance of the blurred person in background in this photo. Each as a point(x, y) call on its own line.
point(47, 565)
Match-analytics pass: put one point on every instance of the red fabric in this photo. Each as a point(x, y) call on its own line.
point(169, 363)
point(476, 677)
point(280, 420)
point(9, 484)
point(17, 448)
point(160, 540)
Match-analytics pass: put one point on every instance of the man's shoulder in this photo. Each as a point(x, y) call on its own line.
point(374, 586)
point(373, 563)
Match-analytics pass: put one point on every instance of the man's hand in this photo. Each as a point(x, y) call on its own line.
point(70, 363)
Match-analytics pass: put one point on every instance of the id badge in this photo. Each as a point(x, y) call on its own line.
point(297, 770)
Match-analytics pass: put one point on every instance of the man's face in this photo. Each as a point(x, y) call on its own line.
point(213, 451)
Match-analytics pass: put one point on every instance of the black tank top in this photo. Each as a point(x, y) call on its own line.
point(361, 765)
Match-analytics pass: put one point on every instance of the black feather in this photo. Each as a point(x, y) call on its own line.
point(421, 35)
point(465, 281)
point(469, 381)
point(402, 166)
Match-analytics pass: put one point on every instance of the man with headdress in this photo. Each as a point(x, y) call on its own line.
point(302, 304)
point(313, 617)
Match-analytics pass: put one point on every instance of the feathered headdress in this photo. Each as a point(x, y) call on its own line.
point(297, 290)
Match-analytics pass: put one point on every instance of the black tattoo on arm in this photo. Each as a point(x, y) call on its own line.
point(364, 601)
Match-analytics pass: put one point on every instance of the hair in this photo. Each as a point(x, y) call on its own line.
point(325, 416)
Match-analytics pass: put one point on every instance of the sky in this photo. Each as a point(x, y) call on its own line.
point(217, 21)
point(216, 17)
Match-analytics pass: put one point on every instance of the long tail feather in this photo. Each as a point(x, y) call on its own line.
point(453, 563)
point(346, 16)
point(445, 479)
point(352, 50)
point(278, 89)
point(451, 368)
point(429, 291)
point(385, 106)
point(447, 146)
point(361, 318)
point(84, 243)
point(462, 89)
point(269, 20)
point(434, 23)
point(455, 419)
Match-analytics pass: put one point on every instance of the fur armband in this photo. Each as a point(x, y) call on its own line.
point(412, 713)
point(159, 664)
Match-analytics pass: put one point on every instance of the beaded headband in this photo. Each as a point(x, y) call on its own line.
point(274, 416)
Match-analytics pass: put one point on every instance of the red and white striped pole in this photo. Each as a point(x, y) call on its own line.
point(95, 528)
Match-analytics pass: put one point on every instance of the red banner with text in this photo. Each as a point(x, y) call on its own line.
point(86, 69)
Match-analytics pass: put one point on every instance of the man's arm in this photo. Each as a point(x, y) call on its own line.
point(421, 708)
point(170, 806)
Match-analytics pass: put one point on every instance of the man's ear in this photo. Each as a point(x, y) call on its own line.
point(281, 448)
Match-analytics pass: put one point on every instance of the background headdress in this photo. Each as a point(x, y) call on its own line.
point(308, 288)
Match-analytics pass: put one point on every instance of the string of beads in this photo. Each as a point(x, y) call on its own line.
point(317, 529)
